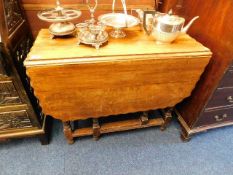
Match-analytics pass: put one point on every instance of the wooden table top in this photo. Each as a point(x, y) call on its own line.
point(66, 51)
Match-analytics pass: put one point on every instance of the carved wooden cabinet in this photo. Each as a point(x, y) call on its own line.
point(20, 114)
point(17, 117)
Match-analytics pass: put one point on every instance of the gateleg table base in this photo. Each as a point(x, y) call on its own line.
point(97, 129)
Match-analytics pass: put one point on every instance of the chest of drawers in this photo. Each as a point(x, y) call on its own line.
point(210, 104)
point(217, 112)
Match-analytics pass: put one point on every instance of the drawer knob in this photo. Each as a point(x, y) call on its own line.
point(220, 118)
point(230, 99)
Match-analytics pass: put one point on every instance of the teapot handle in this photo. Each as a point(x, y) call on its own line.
point(152, 12)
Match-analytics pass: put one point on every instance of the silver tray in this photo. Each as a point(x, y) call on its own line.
point(53, 15)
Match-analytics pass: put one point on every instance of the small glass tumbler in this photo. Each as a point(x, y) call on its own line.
point(82, 27)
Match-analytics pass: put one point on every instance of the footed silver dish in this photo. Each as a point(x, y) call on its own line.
point(118, 21)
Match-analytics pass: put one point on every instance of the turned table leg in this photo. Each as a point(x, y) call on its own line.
point(96, 129)
point(68, 132)
point(167, 113)
point(144, 118)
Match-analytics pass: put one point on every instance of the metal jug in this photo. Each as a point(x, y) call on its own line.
point(165, 26)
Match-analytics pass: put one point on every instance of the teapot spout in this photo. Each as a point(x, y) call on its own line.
point(185, 29)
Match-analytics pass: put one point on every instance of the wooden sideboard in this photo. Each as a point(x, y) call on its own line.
point(126, 75)
point(209, 106)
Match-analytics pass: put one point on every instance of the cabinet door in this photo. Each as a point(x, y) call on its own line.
point(8, 94)
point(14, 120)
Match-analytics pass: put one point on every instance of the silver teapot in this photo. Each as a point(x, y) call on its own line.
point(165, 28)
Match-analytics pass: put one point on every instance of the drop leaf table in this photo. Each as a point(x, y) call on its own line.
point(126, 75)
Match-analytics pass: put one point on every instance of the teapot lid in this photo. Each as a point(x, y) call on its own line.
point(171, 19)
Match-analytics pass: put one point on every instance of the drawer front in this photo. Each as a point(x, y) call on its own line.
point(221, 98)
point(227, 80)
point(14, 120)
point(8, 94)
point(215, 117)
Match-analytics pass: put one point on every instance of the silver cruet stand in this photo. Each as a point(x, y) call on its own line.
point(91, 33)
